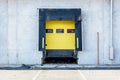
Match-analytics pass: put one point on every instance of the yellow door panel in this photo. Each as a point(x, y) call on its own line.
point(62, 40)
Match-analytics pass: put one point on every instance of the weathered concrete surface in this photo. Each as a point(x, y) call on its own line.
point(19, 30)
point(116, 32)
point(60, 75)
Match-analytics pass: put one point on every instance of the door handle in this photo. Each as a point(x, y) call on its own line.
point(42, 42)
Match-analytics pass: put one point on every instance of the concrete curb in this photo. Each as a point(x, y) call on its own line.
point(59, 66)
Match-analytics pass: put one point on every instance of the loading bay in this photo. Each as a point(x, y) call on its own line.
point(59, 74)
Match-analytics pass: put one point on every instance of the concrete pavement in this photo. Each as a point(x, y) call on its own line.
point(59, 74)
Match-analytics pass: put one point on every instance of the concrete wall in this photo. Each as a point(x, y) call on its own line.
point(116, 32)
point(19, 30)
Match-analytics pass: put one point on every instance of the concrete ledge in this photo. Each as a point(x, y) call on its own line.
point(59, 66)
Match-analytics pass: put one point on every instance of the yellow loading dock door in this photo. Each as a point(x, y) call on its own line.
point(60, 35)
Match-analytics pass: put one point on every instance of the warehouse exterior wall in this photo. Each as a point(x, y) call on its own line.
point(116, 28)
point(19, 30)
